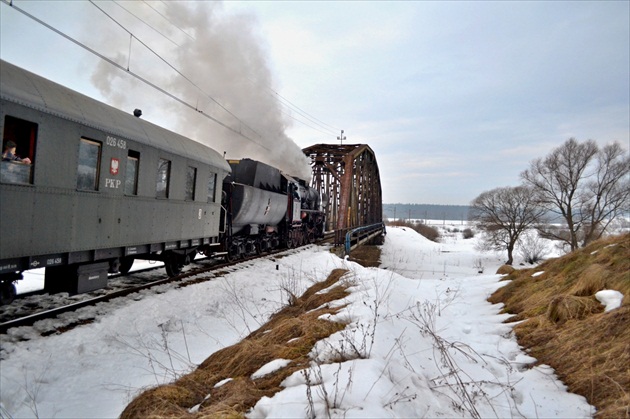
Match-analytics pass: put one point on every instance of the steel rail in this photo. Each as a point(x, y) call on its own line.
point(30, 319)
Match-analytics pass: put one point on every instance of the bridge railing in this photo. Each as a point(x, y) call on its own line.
point(359, 235)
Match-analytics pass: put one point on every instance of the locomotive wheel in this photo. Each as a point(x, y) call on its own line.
point(172, 266)
point(125, 265)
point(7, 293)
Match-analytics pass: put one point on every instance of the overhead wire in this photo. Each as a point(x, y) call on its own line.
point(176, 70)
point(117, 3)
point(168, 20)
point(282, 100)
point(137, 76)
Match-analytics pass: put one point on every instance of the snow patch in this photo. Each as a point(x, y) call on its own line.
point(610, 298)
point(270, 367)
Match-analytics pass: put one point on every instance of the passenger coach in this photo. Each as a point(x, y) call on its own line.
point(103, 187)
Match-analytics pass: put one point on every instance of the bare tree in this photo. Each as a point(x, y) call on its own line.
point(503, 214)
point(607, 193)
point(586, 186)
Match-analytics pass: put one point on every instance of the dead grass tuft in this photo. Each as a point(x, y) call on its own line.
point(161, 402)
point(505, 270)
point(289, 334)
point(591, 280)
point(565, 326)
point(569, 307)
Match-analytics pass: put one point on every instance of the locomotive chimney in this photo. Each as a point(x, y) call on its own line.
point(137, 113)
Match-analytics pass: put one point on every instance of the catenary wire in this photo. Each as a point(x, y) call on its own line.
point(115, 64)
point(117, 3)
point(176, 70)
point(282, 100)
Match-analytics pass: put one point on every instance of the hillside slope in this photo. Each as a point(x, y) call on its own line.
point(566, 327)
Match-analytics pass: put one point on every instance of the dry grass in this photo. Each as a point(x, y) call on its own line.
point(568, 307)
point(367, 256)
point(566, 327)
point(299, 320)
point(505, 269)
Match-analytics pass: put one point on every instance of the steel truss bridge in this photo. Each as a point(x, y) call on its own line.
point(348, 175)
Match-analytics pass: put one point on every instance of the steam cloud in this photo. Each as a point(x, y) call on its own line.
point(221, 54)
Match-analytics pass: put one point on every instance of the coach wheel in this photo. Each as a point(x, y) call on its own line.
point(172, 265)
point(125, 265)
point(7, 293)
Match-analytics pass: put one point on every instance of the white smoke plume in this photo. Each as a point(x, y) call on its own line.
point(218, 52)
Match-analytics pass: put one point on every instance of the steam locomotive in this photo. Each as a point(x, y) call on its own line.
point(104, 188)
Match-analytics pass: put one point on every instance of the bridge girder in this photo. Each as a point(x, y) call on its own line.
point(348, 174)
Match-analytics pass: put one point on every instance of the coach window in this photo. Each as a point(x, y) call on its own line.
point(163, 178)
point(191, 179)
point(89, 165)
point(212, 186)
point(131, 173)
point(18, 150)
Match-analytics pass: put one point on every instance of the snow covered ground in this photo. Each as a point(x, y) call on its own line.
point(430, 344)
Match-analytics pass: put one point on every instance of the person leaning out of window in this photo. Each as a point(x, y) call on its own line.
point(9, 154)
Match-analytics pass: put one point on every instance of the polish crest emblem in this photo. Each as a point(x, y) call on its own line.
point(113, 167)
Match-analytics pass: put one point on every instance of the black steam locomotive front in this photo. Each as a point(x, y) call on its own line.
point(266, 209)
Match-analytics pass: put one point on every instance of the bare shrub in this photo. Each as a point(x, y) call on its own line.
point(478, 265)
point(468, 233)
point(532, 248)
point(422, 229)
point(428, 232)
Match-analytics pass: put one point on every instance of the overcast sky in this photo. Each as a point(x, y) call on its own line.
point(455, 98)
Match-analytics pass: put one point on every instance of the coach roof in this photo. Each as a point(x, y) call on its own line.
point(28, 89)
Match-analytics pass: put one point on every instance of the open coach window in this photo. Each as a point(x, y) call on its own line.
point(18, 150)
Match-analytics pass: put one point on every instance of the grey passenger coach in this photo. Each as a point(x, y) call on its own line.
point(85, 188)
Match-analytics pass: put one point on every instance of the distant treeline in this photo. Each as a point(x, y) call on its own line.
point(425, 211)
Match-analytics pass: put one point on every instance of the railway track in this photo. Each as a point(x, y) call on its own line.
point(25, 316)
